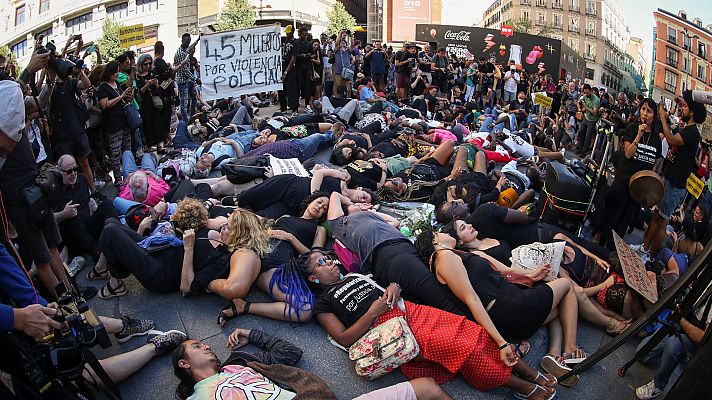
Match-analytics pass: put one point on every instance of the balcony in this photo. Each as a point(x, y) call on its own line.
point(670, 87)
point(557, 26)
point(525, 2)
point(541, 3)
point(591, 32)
point(672, 62)
point(589, 56)
point(591, 11)
point(573, 8)
point(557, 5)
point(672, 39)
point(540, 23)
point(574, 29)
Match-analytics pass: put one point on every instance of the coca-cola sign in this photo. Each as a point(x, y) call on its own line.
point(462, 35)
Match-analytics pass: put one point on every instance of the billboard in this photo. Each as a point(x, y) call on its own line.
point(533, 53)
point(406, 14)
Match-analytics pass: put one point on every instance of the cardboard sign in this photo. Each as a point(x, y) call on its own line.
point(543, 100)
point(694, 185)
point(634, 270)
point(131, 36)
point(506, 31)
point(535, 255)
point(240, 62)
point(282, 166)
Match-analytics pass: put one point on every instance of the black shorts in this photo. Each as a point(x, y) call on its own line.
point(37, 238)
point(403, 80)
point(77, 146)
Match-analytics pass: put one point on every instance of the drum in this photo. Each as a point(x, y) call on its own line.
point(646, 188)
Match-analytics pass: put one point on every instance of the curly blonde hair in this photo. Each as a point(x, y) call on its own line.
point(190, 214)
point(248, 232)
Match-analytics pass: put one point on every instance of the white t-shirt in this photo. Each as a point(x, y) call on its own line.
point(510, 85)
point(519, 145)
point(33, 133)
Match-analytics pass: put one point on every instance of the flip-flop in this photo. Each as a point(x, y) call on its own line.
point(539, 374)
point(521, 396)
point(117, 291)
point(222, 318)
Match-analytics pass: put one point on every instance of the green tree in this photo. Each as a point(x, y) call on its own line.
point(109, 41)
point(339, 19)
point(236, 14)
point(5, 51)
point(524, 25)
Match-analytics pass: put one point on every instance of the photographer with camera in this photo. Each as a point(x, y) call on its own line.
point(344, 61)
point(440, 68)
point(68, 115)
point(405, 60)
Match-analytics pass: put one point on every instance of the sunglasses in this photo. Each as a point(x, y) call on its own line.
point(71, 170)
point(147, 63)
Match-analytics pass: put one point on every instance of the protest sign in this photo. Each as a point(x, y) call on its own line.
point(131, 35)
point(543, 100)
point(241, 62)
point(282, 166)
point(535, 255)
point(694, 185)
point(634, 270)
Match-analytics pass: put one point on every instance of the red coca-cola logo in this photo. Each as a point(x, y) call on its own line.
point(462, 35)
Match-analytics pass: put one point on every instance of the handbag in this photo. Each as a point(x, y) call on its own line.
point(37, 202)
point(133, 118)
point(385, 347)
point(245, 169)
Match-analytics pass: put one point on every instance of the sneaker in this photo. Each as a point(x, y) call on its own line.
point(556, 366)
point(75, 265)
point(99, 184)
point(166, 342)
point(134, 327)
point(574, 357)
point(647, 391)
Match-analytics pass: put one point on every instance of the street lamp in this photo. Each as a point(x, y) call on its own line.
point(689, 53)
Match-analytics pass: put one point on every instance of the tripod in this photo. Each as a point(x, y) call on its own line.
point(699, 274)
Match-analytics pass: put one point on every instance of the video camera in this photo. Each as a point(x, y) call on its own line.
point(63, 68)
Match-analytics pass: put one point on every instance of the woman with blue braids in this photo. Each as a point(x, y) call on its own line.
point(277, 275)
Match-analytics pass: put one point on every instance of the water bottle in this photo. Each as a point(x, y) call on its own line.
point(76, 265)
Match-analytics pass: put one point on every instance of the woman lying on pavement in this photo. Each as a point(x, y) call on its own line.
point(449, 344)
point(290, 236)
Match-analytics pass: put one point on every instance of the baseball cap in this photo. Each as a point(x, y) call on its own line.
point(12, 113)
point(289, 29)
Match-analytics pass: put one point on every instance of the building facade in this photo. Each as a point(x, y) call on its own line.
point(595, 29)
point(395, 20)
point(682, 58)
point(23, 20)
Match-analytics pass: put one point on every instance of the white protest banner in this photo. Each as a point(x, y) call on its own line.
point(282, 166)
point(241, 62)
point(634, 270)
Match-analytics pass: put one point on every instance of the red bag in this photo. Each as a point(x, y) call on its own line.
point(350, 260)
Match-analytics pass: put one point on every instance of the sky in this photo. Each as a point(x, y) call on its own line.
point(638, 14)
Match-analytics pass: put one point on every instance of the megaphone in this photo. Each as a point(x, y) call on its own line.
point(701, 96)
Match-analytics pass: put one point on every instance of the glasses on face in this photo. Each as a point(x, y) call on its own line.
point(321, 261)
point(147, 63)
point(71, 170)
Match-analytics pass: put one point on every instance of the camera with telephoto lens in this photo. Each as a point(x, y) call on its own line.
point(63, 68)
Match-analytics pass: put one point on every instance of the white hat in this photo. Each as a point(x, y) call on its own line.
point(12, 113)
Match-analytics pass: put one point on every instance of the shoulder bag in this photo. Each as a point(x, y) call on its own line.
point(386, 346)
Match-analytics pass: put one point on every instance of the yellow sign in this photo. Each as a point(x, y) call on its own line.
point(131, 35)
point(694, 185)
point(543, 100)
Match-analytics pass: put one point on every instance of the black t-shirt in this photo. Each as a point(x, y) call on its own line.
point(303, 62)
point(405, 69)
point(79, 194)
point(680, 161)
point(349, 300)
point(360, 141)
point(488, 219)
point(303, 229)
point(524, 105)
point(64, 111)
point(364, 174)
point(432, 102)
point(288, 46)
point(209, 263)
point(427, 57)
point(418, 90)
point(19, 172)
point(113, 118)
point(648, 150)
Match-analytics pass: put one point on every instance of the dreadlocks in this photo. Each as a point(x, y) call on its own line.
point(290, 279)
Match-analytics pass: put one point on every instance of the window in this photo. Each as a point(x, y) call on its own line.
point(78, 24)
point(118, 11)
point(525, 14)
point(573, 43)
point(558, 20)
point(557, 37)
point(541, 18)
point(701, 72)
point(574, 24)
point(672, 35)
point(573, 5)
point(541, 3)
point(590, 51)
point(589, 73)
point(47, 34)
point(557, 4)
point(143, 6)
point(19, 15)
point(701, 50)
point(670, 81)
point(20, 49)
point(672, 57)
point(686, 42)
point(590, 7)
point(591, 28)
point(686, 65)
point(44, 6)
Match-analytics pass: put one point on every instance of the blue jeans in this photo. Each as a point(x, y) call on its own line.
point(311, 143)
point(673, 351)
point(241, 117)
point(243, 139)
point(148, 163)
point(671, 200)
point(186, 94)
point(485, 125)
point(183, 139)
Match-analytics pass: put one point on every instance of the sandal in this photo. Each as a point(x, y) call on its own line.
point(223, 317)
point(95, 275)
point(522, 348)
point(521, 396)
point(117, 291)
point(548, 379)
point(612, 332)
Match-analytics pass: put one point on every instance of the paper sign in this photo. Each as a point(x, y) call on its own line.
point(543, 100)
point(131, 36)
point(634, 270)
point(283, 166)
point(535, 255)
point(694, 185)
point(241, 62)
point(506, 31)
